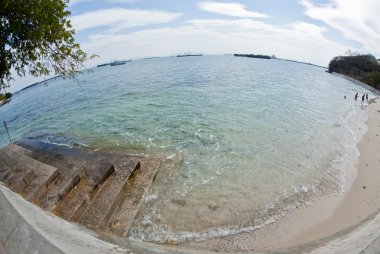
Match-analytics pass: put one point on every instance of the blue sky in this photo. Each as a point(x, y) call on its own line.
point(305, 30)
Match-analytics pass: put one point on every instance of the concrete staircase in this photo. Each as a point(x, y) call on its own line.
point(101, 191)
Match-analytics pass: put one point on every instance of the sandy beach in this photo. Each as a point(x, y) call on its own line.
point(306, 227)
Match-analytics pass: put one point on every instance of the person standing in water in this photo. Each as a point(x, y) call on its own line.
point(356, 96)
point(363, 98)
point(366, 97)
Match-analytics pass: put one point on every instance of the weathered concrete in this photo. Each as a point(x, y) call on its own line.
point(4, 170)
point(75, 202)
point(25, 228)
point(103, 205)
point(28, 176)
point(79, 185)
point(23, 173)
point(2, 248)
point(364, 239)
point(136, 189)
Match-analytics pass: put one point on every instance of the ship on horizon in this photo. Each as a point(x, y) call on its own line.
point(188, 54)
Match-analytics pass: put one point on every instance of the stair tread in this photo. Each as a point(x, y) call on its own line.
point(95, 169)
point(58, 190)
point(122, 219)
point(102, 205)
point(75, 201)
point(56, 161)
point(4, 170)
point(27, 175)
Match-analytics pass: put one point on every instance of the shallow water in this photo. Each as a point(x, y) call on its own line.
point(244, 140)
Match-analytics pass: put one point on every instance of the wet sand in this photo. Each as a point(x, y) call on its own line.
point(307, 226)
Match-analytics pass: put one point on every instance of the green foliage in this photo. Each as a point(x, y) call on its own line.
point(36, 37)
point(373, 79)
point(8, 95)
point(357, 66)
point(354, 64)
point(2, 96)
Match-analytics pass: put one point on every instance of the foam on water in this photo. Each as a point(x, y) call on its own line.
point(243, 141)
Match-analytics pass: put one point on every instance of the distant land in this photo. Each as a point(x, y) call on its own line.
point(253, 56)
point(320, 66)
point(185, 55)
point(274, 57)
point(34, 84)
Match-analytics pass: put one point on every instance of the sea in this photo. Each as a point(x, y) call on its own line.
point(243, 141)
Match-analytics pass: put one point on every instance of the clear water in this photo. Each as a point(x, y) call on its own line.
point(243, 140)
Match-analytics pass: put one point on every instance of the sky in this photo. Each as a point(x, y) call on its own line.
point(304, 30)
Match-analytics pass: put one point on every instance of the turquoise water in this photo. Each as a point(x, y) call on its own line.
point(243, 140)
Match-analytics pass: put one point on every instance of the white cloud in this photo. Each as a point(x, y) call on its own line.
point(120, 18)
point(229, 9)
point(357, 20)
point(299, 41)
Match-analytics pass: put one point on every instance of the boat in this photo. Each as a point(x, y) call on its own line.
point(189, 54)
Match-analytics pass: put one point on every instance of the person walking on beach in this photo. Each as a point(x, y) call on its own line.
point(356, 96)
point(363, 98)
point(366, 97)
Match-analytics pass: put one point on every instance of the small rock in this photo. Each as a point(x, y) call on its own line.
point(169, 241)
point(179, 201)
point(366, 164)
point(184, 175)
point(213, 206)
point(364, 187)
point(299, 165)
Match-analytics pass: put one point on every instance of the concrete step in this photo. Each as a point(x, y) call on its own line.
point(21, 180)
point(75, 202)
point(93, 188)
point(18, 176)
point(108, 197)
point(11, 163)
point(62, 187)
point(58, 190)
point(136, 188)
point(95, 168)
point(4, 170)
point(28, 176)
point(55, 160)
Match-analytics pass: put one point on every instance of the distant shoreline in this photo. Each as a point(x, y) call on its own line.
point(105, 64)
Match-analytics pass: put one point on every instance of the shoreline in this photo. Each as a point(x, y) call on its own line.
point(313, 224)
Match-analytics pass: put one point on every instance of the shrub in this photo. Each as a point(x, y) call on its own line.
point(8, 95)
point(374, 79)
